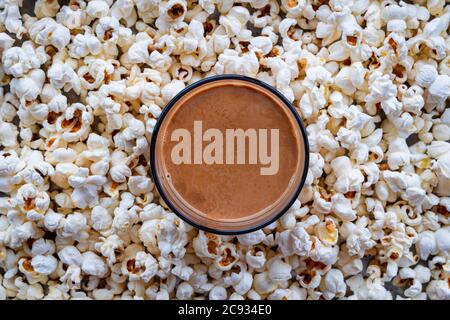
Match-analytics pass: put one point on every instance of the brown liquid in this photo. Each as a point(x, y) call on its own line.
point(230, 196)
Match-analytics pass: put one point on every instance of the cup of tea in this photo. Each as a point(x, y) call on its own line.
point(229, 154)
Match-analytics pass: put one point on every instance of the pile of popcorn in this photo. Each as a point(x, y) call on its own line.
point(83, 82)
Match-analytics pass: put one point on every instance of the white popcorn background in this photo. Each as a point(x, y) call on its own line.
point(83, 82)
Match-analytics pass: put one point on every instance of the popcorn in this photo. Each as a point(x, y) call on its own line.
point(28, 292)
point(297, 241)
point(124, 9)
point(32, 202)
point(84, 44)
point(27, 88)
point(414, 279)
point(70, 256)
point(47, 31)
point(34, 169)
point(206, 244)
point(43, 8)
point(383, 91)
point(44, 264)
point(101, 218)
point(230, 62)
point(327, 232)
point(143, 266)
point(234, 20)
point(18, 61)
point(92, 75)
point(10, 17)
point(252, 238)
point(8, 134)
point(227, 257)
point(440, 150)
point(184, 291)
point(107, 29)
point(266, 13)
point(62, 76)
point(255, 258)
point(240, 279)
point(97, 8)
point(85, 188)
point(430, 37)
point(263, 284)
point(278, 271)
point(93, 265)
point(438, 92)
point(75, 225)
point(365, 289)
point(358, 237)
point(89, 83)
point(139, 185)
point(71, 16)
point(443, 240)
point(438, 290)
point(334, 285)
point(292, 293)
point(194, 45)
point(347, 178)
point(218, 293)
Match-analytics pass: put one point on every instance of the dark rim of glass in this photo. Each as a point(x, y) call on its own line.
point(172, 102)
